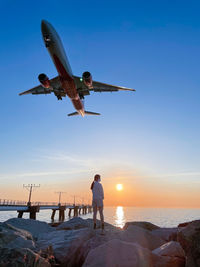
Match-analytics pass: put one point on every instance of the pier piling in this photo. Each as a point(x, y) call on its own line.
point(32, 210)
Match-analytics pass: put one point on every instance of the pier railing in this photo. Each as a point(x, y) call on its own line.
point(8, 202)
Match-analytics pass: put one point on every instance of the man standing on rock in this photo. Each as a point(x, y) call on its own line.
point(97, 200)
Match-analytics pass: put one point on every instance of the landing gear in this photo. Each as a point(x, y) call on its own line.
point(58, 93)
point(81, 96)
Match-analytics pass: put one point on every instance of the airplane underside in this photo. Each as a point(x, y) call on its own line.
point(66, 84)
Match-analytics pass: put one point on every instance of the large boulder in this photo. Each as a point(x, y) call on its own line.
point(141, 236)
point(189, 238)
point(132, 234)
point(66, 245)
point(172, 249)
point(32, 226)
point(184, 224)
point(166, 261)
point(173, 254)
point(21, 242)
point(98, 239)
point(145, 225)
point(11, 237)
point(119, 253)
point(74, 223)
point(168, 234)
point(19, 257)
point(116, 252)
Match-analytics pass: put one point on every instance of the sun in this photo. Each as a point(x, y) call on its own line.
point(119, 187)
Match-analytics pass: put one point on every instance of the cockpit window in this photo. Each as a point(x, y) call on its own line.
point(47, 38)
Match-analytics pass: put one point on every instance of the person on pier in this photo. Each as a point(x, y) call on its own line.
point(97, 200)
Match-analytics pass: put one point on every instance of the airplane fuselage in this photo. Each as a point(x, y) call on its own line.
point(57, 53)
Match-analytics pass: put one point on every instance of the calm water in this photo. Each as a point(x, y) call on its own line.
point(118, 216)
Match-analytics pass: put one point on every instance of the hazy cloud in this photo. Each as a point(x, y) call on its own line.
point(42, 173)
point(179, 174)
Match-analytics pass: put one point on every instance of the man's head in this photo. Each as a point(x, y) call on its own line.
point(97, 178)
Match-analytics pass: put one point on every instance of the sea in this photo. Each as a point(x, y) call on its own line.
point(118, 216)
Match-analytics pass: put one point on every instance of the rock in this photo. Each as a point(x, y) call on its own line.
point(189, 238)
point(98, 239)
point(184, 224)
point(78, 223)
point(107, 225)
point(168, 234)
point(145, 225)
point(133, 234)
point(172, 255)
point(11, 237)
point(172, 249)
point(21, 257)
point(66, 245)
point(21, 242)
point(119, 253)
point(75, 223)
point(141, 236)
point(166, 261)
point(32, 226)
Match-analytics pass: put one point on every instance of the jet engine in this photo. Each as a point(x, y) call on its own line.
point(44, 80)
point(87, 79)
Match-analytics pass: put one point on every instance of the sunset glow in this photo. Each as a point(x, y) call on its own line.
point(119, 187)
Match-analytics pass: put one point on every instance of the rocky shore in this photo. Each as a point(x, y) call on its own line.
point(25, 242)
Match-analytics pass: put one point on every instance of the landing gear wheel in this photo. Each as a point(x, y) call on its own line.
point(81, 96)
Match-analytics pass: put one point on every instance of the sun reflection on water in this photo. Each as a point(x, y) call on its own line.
point(119, 217)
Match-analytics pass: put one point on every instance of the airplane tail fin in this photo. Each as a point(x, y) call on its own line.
point(73, 114)
point(91, 113)
point(86, 113)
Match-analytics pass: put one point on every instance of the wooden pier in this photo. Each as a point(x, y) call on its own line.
point(35, 207)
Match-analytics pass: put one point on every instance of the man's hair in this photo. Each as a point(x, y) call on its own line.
point(92, 185)
point(96, 178)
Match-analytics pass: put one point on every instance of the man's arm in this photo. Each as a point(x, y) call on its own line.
point(102, 192)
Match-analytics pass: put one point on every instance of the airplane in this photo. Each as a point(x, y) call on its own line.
point(66, 84)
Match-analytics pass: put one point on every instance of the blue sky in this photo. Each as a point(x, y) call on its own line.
point(152, 46)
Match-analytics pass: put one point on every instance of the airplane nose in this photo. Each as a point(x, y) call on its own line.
point(44, 27)
point(44, 21)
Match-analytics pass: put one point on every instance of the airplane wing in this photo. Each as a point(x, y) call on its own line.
point(55, 88)
point(37, 90)
point(104, 87)
point(97, 87)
